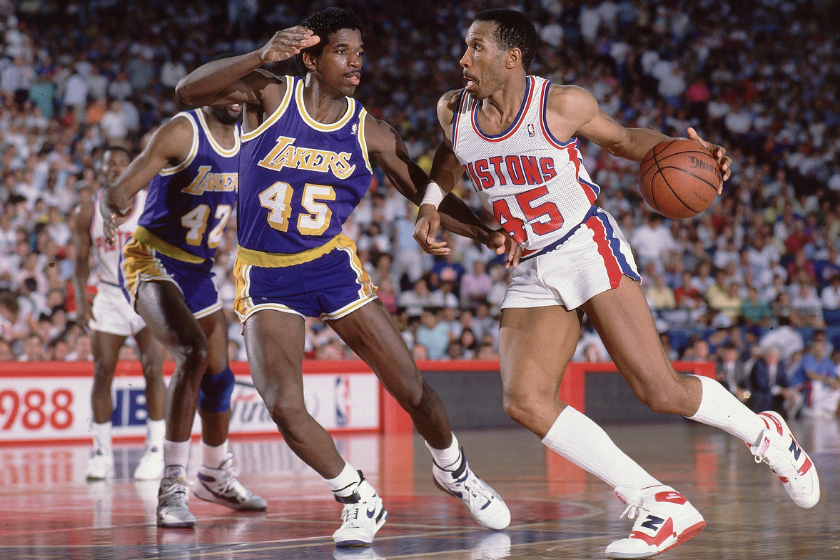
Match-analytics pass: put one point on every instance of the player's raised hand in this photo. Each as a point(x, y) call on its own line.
point(426, 228)
point(718, 152)
point(287, 43)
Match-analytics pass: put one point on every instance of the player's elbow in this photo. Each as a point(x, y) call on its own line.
point(186, 92)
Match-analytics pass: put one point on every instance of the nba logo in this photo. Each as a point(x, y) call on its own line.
point(531, 131)
point(355, 129)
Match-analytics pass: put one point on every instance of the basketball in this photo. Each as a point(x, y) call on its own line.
point(679, 178)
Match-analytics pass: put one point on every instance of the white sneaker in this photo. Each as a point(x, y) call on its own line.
point(485, 505)
point(221, 487)
point(363, 515)
point(151, 464)
point(664, 519)
point(101, 465)
point(173, 499)
point(778, 448)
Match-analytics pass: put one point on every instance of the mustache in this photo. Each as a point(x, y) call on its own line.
point(468, 76)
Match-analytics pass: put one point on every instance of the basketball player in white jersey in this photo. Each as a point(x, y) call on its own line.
point(517, 136)
point(112, 320)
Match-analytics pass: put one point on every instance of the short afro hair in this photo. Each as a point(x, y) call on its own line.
point(513, 30)
point(323, 24)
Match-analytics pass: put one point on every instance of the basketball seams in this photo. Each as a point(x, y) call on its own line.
point(673, 192)
point(656, 163)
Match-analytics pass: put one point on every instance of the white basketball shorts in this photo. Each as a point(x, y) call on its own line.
point(111, 312)
point(590, 261)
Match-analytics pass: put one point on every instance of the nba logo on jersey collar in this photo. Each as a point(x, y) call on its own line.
point(531, 130)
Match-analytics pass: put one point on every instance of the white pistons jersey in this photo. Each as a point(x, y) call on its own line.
point(535, 185)
point(106, 255)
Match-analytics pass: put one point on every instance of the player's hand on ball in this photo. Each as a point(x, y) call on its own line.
point(718, 152)
point(287, 43)
point(426, 228)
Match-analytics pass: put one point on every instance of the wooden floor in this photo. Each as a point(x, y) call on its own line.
point(558, 511)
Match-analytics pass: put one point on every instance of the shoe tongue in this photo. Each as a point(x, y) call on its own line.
point(175, 472)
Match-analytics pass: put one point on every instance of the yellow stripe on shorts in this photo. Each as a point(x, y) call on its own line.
point(145, 236)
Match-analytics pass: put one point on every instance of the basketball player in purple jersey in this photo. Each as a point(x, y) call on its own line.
point(112, 320)
point(517, 136)
point(307, 152)
point(191, 166)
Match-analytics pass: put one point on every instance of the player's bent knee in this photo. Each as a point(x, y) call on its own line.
point(521, 407)
point(288, 418)
point(215, 391)
point(661, 400)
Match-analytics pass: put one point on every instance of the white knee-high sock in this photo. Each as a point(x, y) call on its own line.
point(584, 443)
point(720, 408)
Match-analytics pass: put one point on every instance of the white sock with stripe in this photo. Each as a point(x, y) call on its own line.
point(720, 408)
point(584, 443)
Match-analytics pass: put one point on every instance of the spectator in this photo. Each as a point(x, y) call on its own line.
point(81, 350)
point(755, 311)
point(825, 381)
point(33, 349)
point(653, 242)
point(416, 299)
point(660, 296)
point(114, 125)
point(830, 299)
point(475, 285)
point(807, 305)
point(433, 334)
point(6, 352)
point(730, 371)
point(770, 388)
point(419, 353)
point(468, 344)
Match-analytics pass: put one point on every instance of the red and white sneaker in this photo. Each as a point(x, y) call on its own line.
point(664, 519)
point(778, 448)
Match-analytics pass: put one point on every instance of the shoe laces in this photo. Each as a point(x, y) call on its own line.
point(229, 483)
point(350, 513)
point(476, 487)
point(635, 505)
point(171, 490)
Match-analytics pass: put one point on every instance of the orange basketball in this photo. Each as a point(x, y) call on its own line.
point(679, 178)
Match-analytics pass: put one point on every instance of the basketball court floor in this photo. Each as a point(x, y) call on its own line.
point(51, 512)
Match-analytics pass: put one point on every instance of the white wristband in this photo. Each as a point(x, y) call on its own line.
point(434, 195)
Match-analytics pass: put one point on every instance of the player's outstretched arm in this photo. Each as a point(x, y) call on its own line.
point(387, 150)
point(82, 219)
point(169, 146)
point(230, 80)
point(573, 111)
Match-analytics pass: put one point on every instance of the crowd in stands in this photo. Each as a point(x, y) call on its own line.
point(759, 270)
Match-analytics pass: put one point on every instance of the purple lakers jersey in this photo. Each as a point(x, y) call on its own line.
point(188, 206)
point(303, 178)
